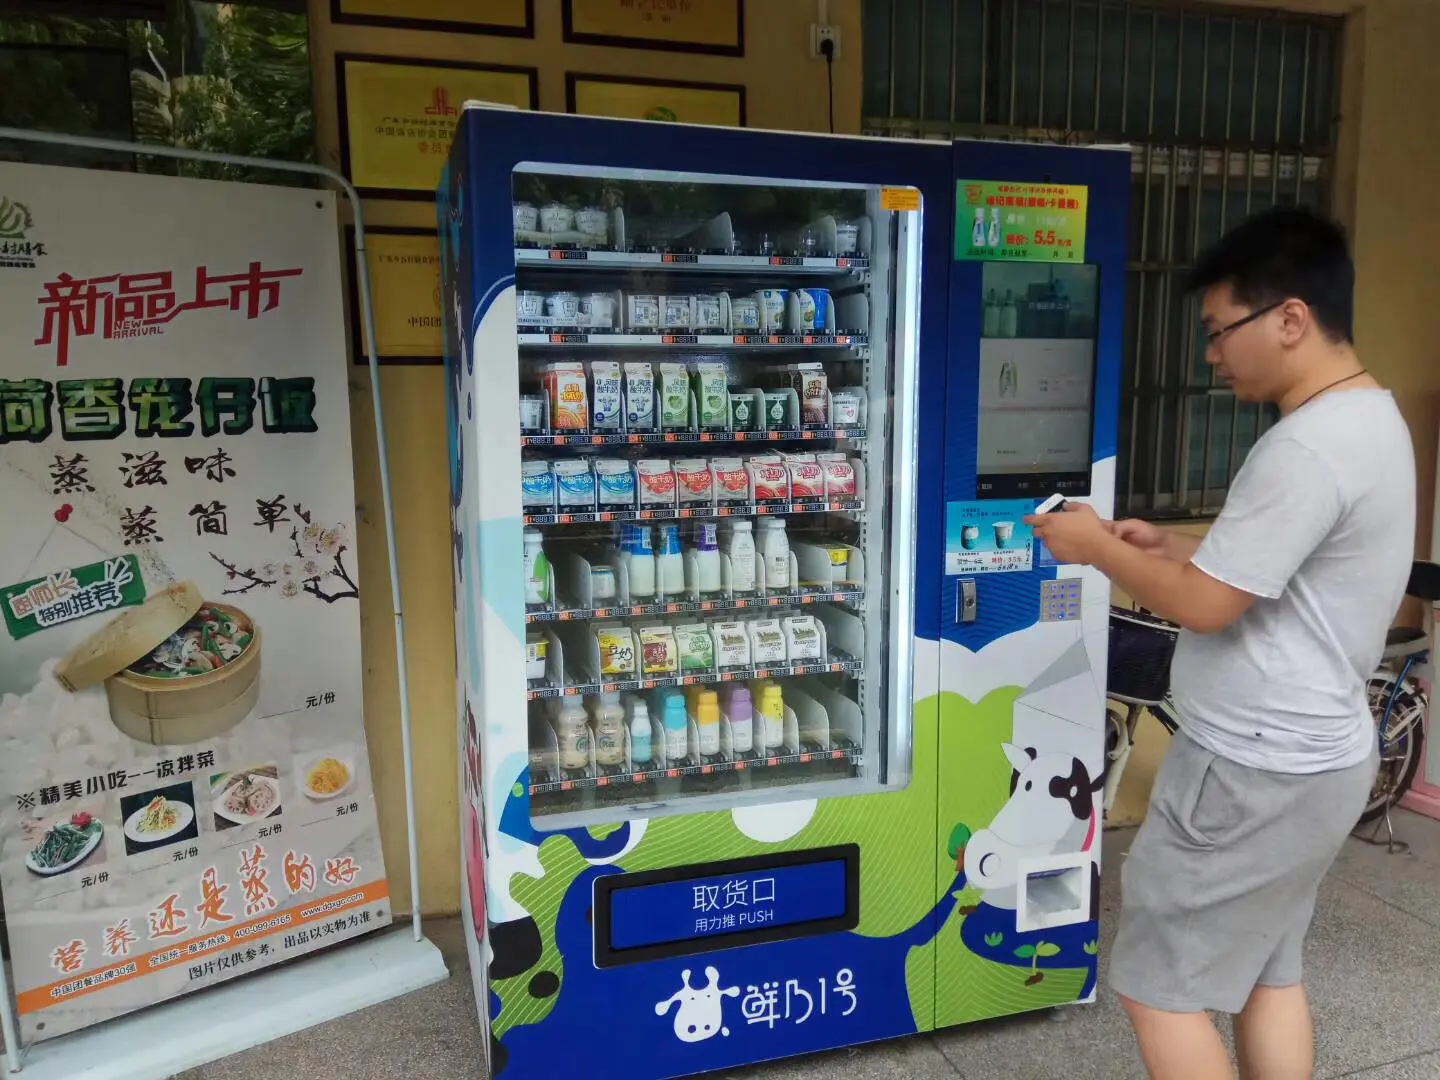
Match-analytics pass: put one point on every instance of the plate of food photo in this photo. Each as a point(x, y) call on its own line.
point(65, 845)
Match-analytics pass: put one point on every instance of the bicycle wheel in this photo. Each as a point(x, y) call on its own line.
point(1401, 745)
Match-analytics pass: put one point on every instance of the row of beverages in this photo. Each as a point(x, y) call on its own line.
point(674, 569)
point(604, 723)
point(582, 484)
point(608, 396)
point(776, 311)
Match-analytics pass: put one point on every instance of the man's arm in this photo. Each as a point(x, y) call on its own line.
point(1181, 547)
point(1173, 589)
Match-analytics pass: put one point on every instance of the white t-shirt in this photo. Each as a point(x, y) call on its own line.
point(1319, 526)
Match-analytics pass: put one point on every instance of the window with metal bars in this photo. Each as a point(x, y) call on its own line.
point(1230, 111)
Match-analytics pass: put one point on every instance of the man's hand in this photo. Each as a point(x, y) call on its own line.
point(1141, 534)
point(1073, 536)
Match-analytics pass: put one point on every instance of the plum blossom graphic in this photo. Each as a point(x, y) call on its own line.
point(315, 564)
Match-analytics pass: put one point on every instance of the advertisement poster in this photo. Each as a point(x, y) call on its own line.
point(1005, 221)
point(704, 26)
point(404, 265)
point(397, 118)
point(715, 104)
point(185, 794)
point(988, 537)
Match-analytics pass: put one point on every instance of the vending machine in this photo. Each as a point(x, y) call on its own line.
point(779, 730)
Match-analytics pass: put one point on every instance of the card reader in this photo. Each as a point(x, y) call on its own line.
point(1051, 505)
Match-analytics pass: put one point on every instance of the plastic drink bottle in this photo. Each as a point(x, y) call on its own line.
point(671, 562)
point(537, 569)
point(772, 716)
point(775, 554)
point(609, 717)
point(707, 722)
point(677, 729)
point(707, 561)
point(740, 549)
point(993, 238)
point(640, 562)
point(741, 715)
point(977, 234)
point(640, 737)
point(572, 731)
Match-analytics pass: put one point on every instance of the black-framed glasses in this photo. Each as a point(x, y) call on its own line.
point(1213, 337)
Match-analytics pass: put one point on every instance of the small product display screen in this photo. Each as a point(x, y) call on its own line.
point(696, 909)
point(1037, 379)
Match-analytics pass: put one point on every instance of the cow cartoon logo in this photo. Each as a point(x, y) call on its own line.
point(701, 1014)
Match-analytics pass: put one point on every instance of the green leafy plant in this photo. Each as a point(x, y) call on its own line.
point(994, 940)
point(1091, 948)
point(1034, 953)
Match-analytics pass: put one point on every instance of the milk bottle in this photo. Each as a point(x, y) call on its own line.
point(740, 550)
point(775, 554)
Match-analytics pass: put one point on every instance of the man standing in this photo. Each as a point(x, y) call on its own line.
point(1285, 604)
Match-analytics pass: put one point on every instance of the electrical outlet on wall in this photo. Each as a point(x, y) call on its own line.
point(820, 32)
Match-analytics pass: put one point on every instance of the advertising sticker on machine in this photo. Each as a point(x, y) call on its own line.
point(184, 785)
point(989, 537)
point(1008, 221)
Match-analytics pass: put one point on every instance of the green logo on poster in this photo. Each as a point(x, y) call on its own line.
point(661, 112)
point(67, 595)
point(17, 250)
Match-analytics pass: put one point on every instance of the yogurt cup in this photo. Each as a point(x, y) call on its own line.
point(745, 313)
point(677, 312)
point(597, 311)
point(556, 218)
point(642, 311)
point(532, 413)
point(592, 221)
point(1004, 530)
point(529, 307)
point(970, 537)
point(773, 303)
point(526, 217)
point(847, 237)
point(563, 308)
point(707, 312)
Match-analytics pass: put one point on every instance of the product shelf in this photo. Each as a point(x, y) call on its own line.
point(838, 664)
point(852, 597)
point(622, 778)
point(619, 340)
point(681, 438)
point(576, 258)
point(685, 513)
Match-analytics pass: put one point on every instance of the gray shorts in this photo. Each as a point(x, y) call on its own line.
point(1219, 888)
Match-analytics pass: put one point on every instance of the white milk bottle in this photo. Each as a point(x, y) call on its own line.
point(740, 550)
point(609, 716)
point(537, 569)
point(572, 731)
point(774, 547)
point(707, 560)
point(640, 734)
point(641, 563)
point(671, 562)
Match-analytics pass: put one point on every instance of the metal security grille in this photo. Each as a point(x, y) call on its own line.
point(1229, 110)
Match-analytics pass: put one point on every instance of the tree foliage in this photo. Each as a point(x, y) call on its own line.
point(225, 78)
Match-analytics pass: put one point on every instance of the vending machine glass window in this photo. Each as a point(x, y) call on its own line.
point(1037, 379)
point(717, 421)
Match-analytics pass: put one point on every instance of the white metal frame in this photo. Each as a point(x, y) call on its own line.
point(110, 1052)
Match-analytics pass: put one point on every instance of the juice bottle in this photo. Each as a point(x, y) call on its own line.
point(772, 716)
point(740, 713)
point(609, 720)
point(707, 722)
point(677, 729)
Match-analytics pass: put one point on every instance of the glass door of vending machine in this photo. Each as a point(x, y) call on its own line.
point(717, 418)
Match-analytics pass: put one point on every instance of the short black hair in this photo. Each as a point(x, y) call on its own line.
point(1284, 253)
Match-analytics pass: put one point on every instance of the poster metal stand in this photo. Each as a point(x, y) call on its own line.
point(190, 1031)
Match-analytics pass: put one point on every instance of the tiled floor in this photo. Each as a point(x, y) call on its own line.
point(1374, 974)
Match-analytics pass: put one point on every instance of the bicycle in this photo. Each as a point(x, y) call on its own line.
point(1142, 646)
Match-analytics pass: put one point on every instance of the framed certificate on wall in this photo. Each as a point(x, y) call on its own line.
point(404, 266)
point(700, 26)
point(511, 18)
point(397, 116)
point(720, 104)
